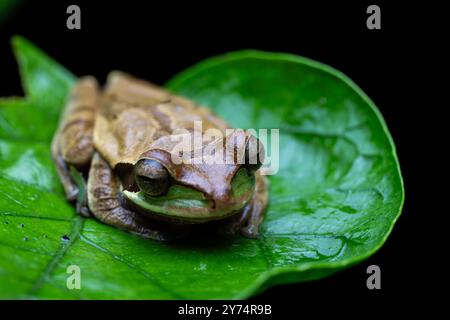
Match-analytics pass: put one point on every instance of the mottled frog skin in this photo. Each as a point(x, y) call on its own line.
point(120, 139)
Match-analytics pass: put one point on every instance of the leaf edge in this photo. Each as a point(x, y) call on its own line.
point(329, 268)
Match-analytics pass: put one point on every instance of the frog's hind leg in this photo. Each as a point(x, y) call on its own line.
point(256, 208)
point(72, 144)
point(103, 192)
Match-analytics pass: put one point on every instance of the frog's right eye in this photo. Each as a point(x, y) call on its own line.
point(151, 177)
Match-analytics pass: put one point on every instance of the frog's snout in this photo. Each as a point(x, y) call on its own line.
point(222, 198)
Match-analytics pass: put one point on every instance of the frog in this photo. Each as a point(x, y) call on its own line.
point(120, 139)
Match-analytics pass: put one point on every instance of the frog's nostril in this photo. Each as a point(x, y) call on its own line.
point(221, 199)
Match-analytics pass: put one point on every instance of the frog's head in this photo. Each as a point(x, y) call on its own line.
point(197, 191)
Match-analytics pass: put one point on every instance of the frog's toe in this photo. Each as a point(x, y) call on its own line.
point(250, 231)
point(83, 209)
point(81, 206)
point(153, 235)
point(71, 192)
point(159, 235)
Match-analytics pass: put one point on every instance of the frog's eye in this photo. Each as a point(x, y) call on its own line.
point(254, 154)
point(151, 177)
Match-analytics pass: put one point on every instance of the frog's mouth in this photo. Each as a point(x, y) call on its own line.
point(184, 203)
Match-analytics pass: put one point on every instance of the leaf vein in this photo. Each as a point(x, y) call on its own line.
point(77, 226)
point(6, 214)
point(130, 265)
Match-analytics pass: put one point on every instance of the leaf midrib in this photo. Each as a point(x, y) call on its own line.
point(77, 225)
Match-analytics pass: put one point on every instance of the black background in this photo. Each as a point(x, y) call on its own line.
point(157, 41)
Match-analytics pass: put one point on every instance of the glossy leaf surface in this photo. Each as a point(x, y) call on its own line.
point(333, 202)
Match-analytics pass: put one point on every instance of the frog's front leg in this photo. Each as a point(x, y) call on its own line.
point(256, 208)
point(72, 144)
point(103, 191)
point(249, 220)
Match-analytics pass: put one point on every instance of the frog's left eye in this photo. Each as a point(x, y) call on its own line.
point(151, 177)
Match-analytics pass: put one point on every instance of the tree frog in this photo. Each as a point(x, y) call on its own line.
point(121, 138)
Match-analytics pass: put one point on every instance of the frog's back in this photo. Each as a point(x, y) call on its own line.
point(133, 114)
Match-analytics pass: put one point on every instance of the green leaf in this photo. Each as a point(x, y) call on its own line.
point(333, 203)
point(46, 85)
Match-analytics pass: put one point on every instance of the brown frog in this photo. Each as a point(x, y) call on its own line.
point(122, 140)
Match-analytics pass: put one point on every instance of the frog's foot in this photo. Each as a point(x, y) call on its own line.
point(235, 223)
point(249, 220)
point(256, 208)
point(255, 217)
point(104, 203)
